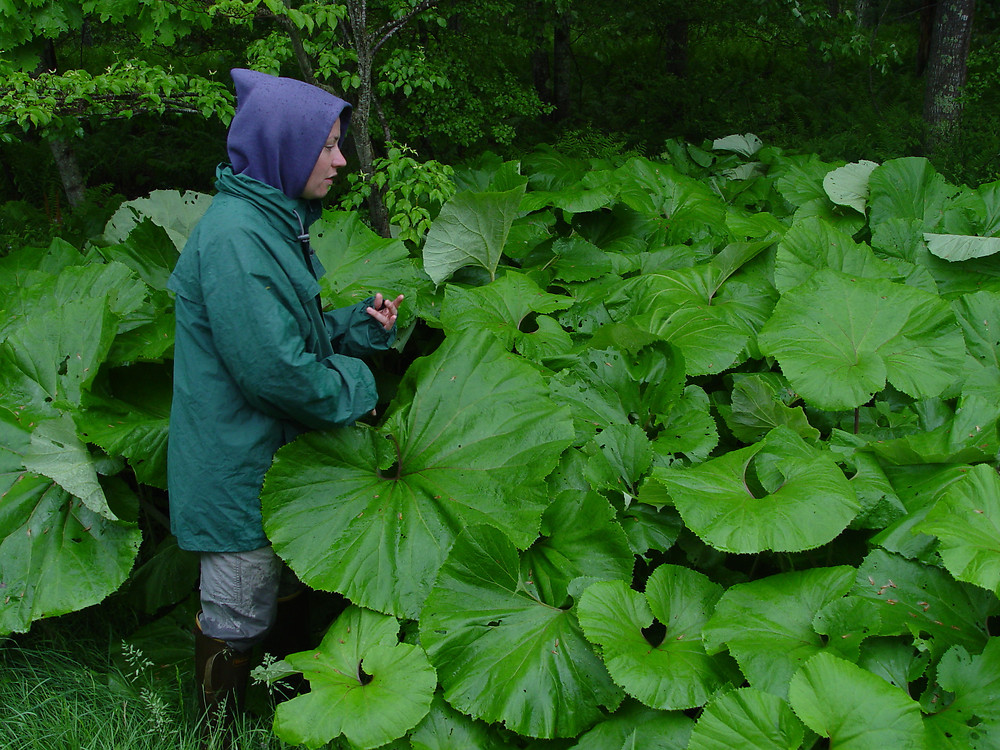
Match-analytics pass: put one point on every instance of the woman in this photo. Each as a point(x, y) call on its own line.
point(256, 359)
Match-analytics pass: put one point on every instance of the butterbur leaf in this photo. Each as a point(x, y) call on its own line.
point(686, 307)
point(759, 405)
point(177, 212)
point(965, 522)
point(470, 230)
point(688, 427)
point(444, 728)
point(472, 436)
point(808, 503)
point(579, 260)
point(748, 719)
point(579, 537)
point(896, 661)
point(848, 185)
point(839, 339)
point(812, 244)
point(925, 601)
point(855, 709)
point(745, 145)
point(908, 189)
point(636, 727)
point(359, 263)
point(503, 655)
point(134, 423)
point(364, 684)
point(57, 453)
point(664, 667)
point(53, 357)
point(56, 555)
point(502, 309)
point(767, 625)
point(969, 715)
point(956, 247)
point(148, 250)
point(978, 315)
point(691, 209)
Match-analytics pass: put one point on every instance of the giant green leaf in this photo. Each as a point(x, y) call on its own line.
point(56, 555)
point(470, 438)
point(748, 719)
point(579, 537)
point(665, 670)
point(848, 185)
point(513, 309)
point(838, 340)
point(965, 520)
point(604, 386)
point(811, 244)
point(359, 263)
point(690, 308)
point(444, 728)
point(780, 494)
point(634, 726)
point(53, 356)
point(133, 421)
point(177, 212)
point(56, 452)
point(925, 601)
point(147, 250)
point(470, 230)
point(855, 709)
point(767, 625)
point(955, 247)
point(908, 189)
point(691, 209)
point(759, 403)
point(364, 684)
point(968, 716)
point(503, 655)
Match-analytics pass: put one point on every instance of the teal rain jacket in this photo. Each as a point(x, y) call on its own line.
point(255, 362)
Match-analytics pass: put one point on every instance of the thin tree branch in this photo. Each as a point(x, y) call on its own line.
point(392, 27)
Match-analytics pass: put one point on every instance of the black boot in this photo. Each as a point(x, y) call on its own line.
point(221, 676)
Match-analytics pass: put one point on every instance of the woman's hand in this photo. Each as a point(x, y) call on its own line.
point(385, 310)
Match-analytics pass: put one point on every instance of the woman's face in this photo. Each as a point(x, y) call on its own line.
point(325, 169)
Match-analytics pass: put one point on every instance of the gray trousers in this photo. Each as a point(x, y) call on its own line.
point(239, 595)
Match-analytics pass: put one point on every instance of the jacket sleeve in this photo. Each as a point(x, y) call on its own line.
point(355, 333)
point(258, 339)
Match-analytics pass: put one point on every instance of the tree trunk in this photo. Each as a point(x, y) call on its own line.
point(675, 44)
point(946, 72)
point(69, 170)
point(561, 64)
point(539, 52)
point(357, 14)
point(62, 151)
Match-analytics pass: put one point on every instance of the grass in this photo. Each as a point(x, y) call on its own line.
point(70, 685)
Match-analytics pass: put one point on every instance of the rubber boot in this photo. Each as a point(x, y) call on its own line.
point(221, 675)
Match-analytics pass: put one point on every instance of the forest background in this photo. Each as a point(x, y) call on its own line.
point(121, 97)
point(459, 106)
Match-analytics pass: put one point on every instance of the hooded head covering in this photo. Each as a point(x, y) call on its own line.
point(280, 127)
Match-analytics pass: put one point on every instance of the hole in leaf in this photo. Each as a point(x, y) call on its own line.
point(493, 624)
point(63, 369)
point(529, 323)
point(363, 677)
point(655, 633)
point(752, 482)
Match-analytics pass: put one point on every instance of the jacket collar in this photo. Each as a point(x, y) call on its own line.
point(294, 214)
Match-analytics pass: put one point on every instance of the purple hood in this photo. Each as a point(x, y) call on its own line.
point(280, 127)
